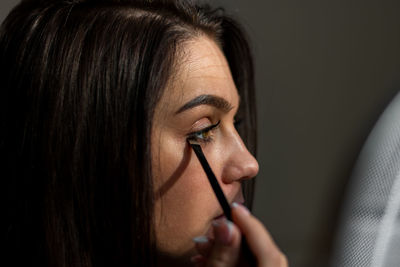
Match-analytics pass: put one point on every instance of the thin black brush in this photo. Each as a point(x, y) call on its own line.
point(212, 179)
point(248, 255)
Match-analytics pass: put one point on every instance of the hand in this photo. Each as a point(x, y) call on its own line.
point(225, 249)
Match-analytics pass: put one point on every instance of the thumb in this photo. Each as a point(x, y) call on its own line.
point(225, 251)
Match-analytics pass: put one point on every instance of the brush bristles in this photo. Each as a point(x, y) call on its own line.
point(193, 142)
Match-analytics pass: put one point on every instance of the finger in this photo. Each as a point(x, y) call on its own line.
point(203, 245)
point(225, 251)
point(258, 238)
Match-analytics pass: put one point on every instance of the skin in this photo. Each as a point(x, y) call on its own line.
point(185, 203)
point(224, 250)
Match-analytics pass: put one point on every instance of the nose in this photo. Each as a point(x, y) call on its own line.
point(240, 164)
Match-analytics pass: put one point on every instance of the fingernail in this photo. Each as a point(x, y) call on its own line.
point(200, 239)
point(223, 231)
point(241, 208)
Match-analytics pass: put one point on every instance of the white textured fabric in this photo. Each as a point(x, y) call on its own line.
point(369, 233)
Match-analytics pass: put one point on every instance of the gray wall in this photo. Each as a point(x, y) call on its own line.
point(325, 71)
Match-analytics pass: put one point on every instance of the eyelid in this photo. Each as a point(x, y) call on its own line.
point(205, 135)
point(209, 128)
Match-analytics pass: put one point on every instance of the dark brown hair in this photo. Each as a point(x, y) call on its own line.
point(79, 83)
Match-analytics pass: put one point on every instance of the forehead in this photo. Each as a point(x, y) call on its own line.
point(202, 69)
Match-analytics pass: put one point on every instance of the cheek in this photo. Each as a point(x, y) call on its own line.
point(185, 203)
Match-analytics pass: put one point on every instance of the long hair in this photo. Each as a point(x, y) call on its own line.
point(79, 84)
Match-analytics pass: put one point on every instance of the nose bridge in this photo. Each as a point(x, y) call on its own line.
point(240, 164)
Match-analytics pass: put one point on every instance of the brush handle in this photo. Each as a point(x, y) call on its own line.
point(247, 254)
point(213, 181)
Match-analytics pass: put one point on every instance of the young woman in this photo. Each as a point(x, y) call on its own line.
point(98, 100)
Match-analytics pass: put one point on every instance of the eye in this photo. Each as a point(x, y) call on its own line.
point(204, 135)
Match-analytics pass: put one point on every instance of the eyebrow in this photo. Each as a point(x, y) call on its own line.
point(211, 100)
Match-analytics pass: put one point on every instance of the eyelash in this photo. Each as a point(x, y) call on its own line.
point(199, 135)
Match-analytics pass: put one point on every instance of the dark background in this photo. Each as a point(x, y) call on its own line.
point(325, 70)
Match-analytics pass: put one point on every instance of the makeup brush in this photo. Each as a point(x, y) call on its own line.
point(248, 255)
point(212, 179)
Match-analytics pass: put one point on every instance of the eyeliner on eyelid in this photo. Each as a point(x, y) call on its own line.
point(197, 134)
point(207, 128)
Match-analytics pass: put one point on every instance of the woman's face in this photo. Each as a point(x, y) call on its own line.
point(201, 95)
